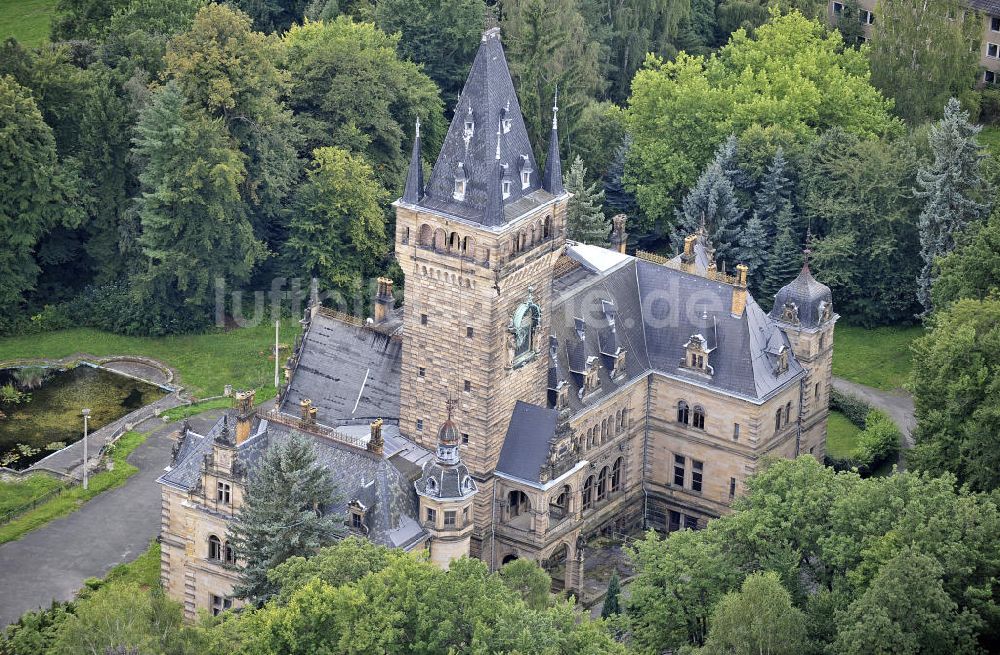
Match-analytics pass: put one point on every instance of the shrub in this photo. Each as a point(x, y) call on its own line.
point(879, 440)
point(855, 409)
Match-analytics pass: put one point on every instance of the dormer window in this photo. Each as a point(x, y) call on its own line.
point(461, 179)
point(505, 185)
point(469, 126)
point(562, 395)
point(432, 486)
point(619, 363)
point(591, 380)
point(696, 355)
point(525, 179)
point(506, 125)
point(782, 364)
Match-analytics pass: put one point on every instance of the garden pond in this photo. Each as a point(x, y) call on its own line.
point(40, 407)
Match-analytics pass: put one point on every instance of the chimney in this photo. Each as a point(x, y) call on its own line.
point(618, 235)
point(384, 302)
point(375, 443)
point(740, 290)
point(244, 415)
point(308, 411)
point(687, 257)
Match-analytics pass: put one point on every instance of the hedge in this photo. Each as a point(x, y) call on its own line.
point(879, 439)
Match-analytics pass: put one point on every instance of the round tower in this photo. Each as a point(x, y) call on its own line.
point(803, 309)
point(446, 492)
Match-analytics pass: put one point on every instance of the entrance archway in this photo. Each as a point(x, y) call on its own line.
point(555, 566)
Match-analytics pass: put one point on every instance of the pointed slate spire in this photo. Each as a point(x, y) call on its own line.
point(414, 190)
point(552, 179)
point(493, 214)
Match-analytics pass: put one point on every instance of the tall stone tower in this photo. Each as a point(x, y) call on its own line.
point(477, 245)
point(803, 309)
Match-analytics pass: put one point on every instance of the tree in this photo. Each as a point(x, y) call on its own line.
point(936, 43)
point(954, 190)
point(231, 73)
point(678, 581)
point(774, 193)
point(284, 515)
point(972, 270)
point(194, 223)
point(759, 619)
point(83, 19)
point(336, 232)
point(785, 258)
point(906, 610)
point(272, 15)
point(857, 199)
point(341, 563)
point(440, 34)
point(549, 46)
point(33, 193)
point(611, 597)
point(351, 90)
point(753, 247)
point(618, 199)
point(956, 391)
point(712, 203)
point(529, 580)
point(599, 133)
point(792, 77)
point(585, 221)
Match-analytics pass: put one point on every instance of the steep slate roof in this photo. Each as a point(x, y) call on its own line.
point(806, 293)
point(351, 373)
point(987, 6)
point(526, 446)
point(656, 309)
point(487, 99)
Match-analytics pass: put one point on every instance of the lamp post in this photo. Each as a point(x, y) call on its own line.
point(86, 415)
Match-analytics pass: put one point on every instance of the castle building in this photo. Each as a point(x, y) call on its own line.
point(531, 391)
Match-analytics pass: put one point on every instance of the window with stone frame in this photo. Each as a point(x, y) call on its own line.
point(229, 554)
point(736, 431)
point(777, 420)
point(697, 470)
point(357, 522)
point(431, 515)
point(690, 522)
point(465, 516)
point(588, 492)
point(602, 484)
point(214, 548)
point(449, 518)
point(674, 523)
point(220, 604)
point(732, 488)
point(683, 412)
point(697, 354)
point(592, 380)
point(698, 418)
point(616, 476)
point(619, 369)
point(223, 492)
point(679, 470)
point(788, 413)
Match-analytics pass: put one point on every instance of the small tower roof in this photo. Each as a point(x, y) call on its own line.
point(811, 298)
point(552, 179)
point(414, 190)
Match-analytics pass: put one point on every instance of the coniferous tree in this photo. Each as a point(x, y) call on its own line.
point(753, 251)
point(619, 200)
point(727, 156)
point(585, 220)
point(194, 224)
point(712, 201)
point(785, 258)
point(282, 515)
point(611, 604)
point(953, 188)
point(774, 194)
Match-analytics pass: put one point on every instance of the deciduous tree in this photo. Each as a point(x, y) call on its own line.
point(759, 619)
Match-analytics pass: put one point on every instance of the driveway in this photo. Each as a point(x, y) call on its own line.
point(51, 562)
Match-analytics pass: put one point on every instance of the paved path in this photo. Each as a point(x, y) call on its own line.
point(116, 526)
point(897, 404)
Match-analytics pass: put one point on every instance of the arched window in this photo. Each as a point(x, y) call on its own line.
point(214, 548)
point(230, 554)
point(469, 247)
point(426, 235)
point(588, 492)
point(777, 420)
point(788, 413)
point(547, 227)
point(432, 485)
point(699, 417)
point(816, 394)
point(602, 484)
point(616, 476)
point(682, 412)
point(604, 430)
point(406, 234)
point(519, 503)
point(440, 240)
point(618, 421)
point(455, 243)
point(822, 340)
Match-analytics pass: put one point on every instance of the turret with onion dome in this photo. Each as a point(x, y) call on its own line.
point(446, 492)
point(804, 302)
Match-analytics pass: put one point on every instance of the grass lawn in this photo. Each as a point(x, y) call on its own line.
point(206, 363)
point(841, 436)
point(143, 570)
point(990, 139)
point(184, 411)
point(18, 494)
point(71, 499)
point(878, 357)
point(26, 20)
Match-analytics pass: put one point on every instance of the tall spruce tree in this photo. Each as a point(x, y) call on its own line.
point(954, 190)
point(712, 201)
point(785, 259)
point(753, 250)
point(618, 199)
point(774, 193)
point(283, 515)
point(611, 604)
point(585, 220)
point(194, 223)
